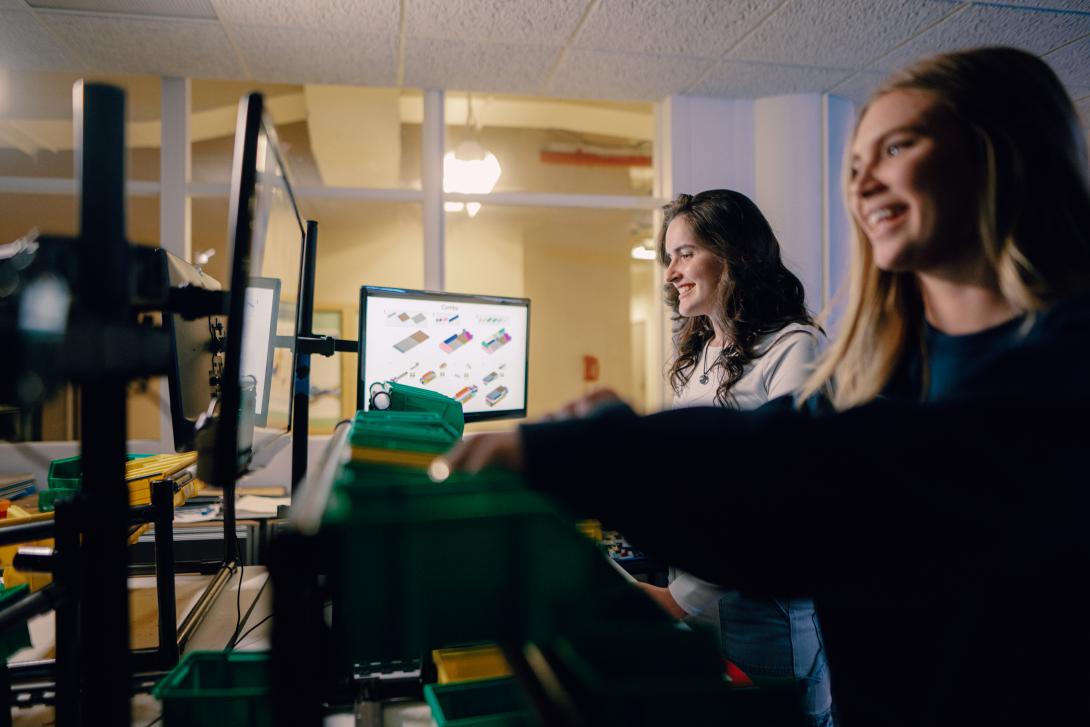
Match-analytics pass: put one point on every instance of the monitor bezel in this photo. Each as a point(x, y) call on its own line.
point(261, 419)
point(439, 296)
point(252, 120)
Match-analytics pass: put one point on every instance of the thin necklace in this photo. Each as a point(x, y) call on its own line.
point(704, 376)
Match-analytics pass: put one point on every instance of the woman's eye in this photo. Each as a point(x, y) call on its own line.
point(896, 147)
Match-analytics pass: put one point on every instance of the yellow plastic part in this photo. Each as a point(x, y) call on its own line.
point(466, 664)
point(398, 457)
point(591, 528)
point(140, 473)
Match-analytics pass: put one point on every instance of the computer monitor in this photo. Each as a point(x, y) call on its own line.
point(473, 348)
point(267, 236)
point(196, 354)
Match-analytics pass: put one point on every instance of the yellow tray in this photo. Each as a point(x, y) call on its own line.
point(466, 664)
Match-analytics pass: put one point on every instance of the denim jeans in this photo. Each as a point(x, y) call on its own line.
point(773, 637)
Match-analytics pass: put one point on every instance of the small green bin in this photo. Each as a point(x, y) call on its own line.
point(482, 703)
point(213, 688)
point(65, 479)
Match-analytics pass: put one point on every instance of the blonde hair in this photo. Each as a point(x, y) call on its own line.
point(1033, 212)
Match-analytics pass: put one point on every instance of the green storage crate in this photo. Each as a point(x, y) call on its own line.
point(413, 431)
point(413, 399)
point(455, 563)
point(67, 473)
point(213, 688)
point(16, 636)
point(482, 703)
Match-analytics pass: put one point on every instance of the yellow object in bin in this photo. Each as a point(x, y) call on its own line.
point(469, 663)
point(591, 528)
point(140, 473)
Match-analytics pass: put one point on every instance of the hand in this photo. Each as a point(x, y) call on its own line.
point(477, 451)
point(585, 405)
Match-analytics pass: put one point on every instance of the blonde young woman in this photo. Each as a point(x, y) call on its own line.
point(938, 513)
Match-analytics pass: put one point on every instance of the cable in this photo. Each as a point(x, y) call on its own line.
point(250, 630)
point(238, 598)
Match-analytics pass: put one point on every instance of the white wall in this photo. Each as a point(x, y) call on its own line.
point(785, 153)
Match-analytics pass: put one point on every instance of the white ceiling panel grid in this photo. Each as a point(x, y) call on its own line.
point(623, 76)
point(858, 87)
point(26, 43)
point(512, 21)
point(432, 63)
point(373, 17)
point(845, 34)
point(1072, 63)
point(1076, 5)
point(692, 28)
point(1032, 30)
point(137, 45)
point(167, 8)
point(751, 80)
point(317, 56)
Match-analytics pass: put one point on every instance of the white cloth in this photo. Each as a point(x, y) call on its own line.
point(789, 357)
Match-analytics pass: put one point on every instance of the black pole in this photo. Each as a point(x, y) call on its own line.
point(162, 500)
point(300, 426)
point(103, 291)
point(67, 575)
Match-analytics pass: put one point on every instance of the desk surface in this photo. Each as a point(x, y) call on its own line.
point(254, 600)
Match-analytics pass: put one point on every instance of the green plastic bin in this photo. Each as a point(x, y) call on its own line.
point(458, 563)
point(214, 688)
point(413, 431)
point(65, 479)
point(482, 703)
point(414, 399)
point(16, 636)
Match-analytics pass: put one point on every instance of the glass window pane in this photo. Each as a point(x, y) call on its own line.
point(36, 135)
point(333, 136)
point(551, 145)
point(588, 296)
point(359, 243)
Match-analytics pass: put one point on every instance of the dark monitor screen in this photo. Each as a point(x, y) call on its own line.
point(268, 236)
point(473, 348)
point(196, 354)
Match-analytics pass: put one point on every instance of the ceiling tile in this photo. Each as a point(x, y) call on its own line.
point(317, 56)
point(1072, 63)
point(374, 17)
point(495, 67)
point(1083, 107)
point(671, 27)
point(135, 45)
point(623, 76)
point(513, 21)
point(1032, 30)
point(25, 43)
point(754, 80)
point(846, 34)
point(858, 88)
point(170, 8)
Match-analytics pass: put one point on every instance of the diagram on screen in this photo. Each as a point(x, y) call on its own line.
point(498, 341)
point(472, 351)
point(406, 344)
point(493, 397)
point(456, 341)
point(466, 393)
point(403, 318)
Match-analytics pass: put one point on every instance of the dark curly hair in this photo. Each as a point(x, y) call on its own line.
point(757, 294)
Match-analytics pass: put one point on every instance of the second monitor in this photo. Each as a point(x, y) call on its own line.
point(473, 348)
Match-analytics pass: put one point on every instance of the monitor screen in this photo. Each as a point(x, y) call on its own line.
point(268, 237)
point(473, 348)
point(196, 348)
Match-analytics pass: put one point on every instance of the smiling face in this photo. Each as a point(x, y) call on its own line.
point(693, 269)
point(912, 189)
